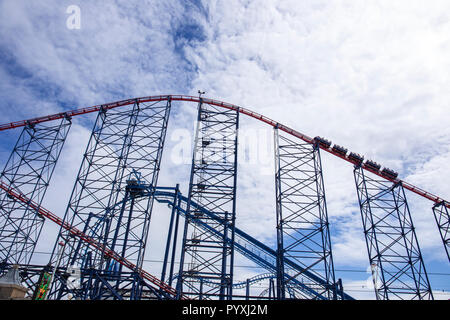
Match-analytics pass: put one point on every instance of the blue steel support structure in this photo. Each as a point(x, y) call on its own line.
point(442, 216)
point(213, 186)
point(303, 234)
point(249, 247)
point(112, 203)
point(29, 170)
point(123, 154)
point(254, 250)
point(395, 258)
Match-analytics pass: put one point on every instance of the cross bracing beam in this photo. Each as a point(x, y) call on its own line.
point(395, 258)
point(303, 232)
point(29, 169)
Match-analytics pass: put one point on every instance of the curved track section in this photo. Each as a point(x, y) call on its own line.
point(323, 144)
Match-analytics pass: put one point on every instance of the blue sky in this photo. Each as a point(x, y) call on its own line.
point(369, 75)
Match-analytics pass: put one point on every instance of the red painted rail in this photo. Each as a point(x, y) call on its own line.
point(225, 105)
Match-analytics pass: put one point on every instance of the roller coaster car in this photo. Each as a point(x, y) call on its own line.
point(389, 173)
point(372, 165)
point(356, 158)
point(340, 150)
point(324, 143)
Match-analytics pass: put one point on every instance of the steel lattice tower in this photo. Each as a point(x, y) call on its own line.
point(394, 254)
point(29, 170)
point(121, 161)
point(303, 234)
point(213, 186)
point(442, 216)
point(104, 231)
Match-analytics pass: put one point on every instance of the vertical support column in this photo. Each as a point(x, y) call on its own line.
point(303, 234)
point(247, 289)
point(29, 170)
point(394, 253)
point(213, 187)
point(121, 162)
point(442, 216)
point(173, 216)
point(175, 236)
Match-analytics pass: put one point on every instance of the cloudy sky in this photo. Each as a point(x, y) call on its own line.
point(372, 76)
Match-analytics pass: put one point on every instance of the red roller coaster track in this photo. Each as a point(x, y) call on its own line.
point(225, 105)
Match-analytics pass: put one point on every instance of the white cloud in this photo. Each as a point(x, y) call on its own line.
point(371, 76)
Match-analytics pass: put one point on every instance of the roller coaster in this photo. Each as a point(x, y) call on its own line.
point(99, 251)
